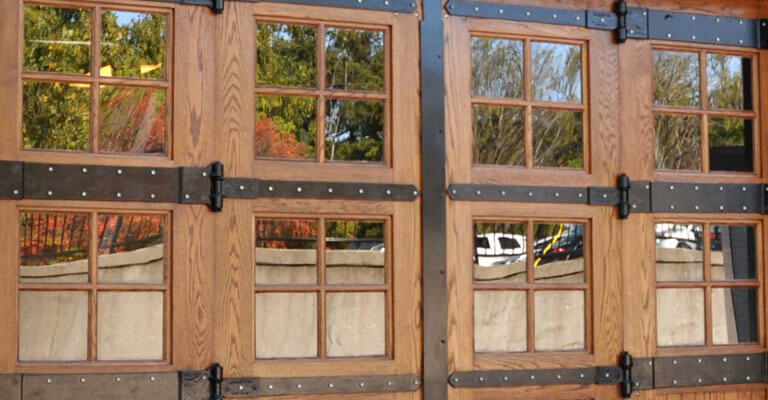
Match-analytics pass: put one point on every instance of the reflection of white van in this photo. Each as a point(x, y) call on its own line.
point(499, 248)
point(675, 236)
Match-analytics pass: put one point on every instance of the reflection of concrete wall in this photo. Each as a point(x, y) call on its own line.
point(54, 324)
point(298, 266)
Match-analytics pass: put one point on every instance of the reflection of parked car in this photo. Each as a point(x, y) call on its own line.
point(378, 247)
point(675, 236)
point(499, 249)
point(565, 246)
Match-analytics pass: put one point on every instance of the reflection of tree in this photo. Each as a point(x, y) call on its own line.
point(678, 142)
point(132, 120)
point(56, 116)
point(57, 39)
point(354, 130)
point(497, 67)
point(355, 59)
point(725, 80)
point(285, 127)
point(135, 49)
point(556, 70)
point(349, 234)
point(119, 233)
point(557, 138)
point(676, 78)
point(286, 234)
point(285, 55)
point(499, 135)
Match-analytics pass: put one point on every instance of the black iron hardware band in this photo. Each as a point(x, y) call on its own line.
point(630, 22)
point(189, 185)
point(632, 374)
point(252, 387)
point(631, 196)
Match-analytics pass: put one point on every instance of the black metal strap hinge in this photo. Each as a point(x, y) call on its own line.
point(404, 6)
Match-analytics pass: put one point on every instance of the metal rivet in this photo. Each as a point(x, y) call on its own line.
point(554, 16)
point(50, 193)
point(85, 170)
point(84, 194)
point(741, 22)
point(455, 378)
point(578, 18)
point(650, 362)
point(749, 378)
point(581, 376)
point(558, 377)
point(503, 192)
point(669, 35)
point(647, 187)
point(271, 189)
point(743, 188)
point(388, 192)
point(15, 192)
point(557, 194)
point(605, 195)
point(698, 360)
point(725, 379)
point(581, 195)
point(152, 196)
point(330, 385)
point(362, 384)
point(82, 380)
point(240, 387)
point(634, 205)
point(506, 378)
point(602, 19)
point(674, 382)
point(696, 208)
point(50, 169)
point(645, 12)
point(152, 378)
point(501, 11)
point(386, 3)
point(530, 194)
point(270, 387)
point(693, 17)
point(119, 171)
point(415, 192)
point(607, 375)
point(672, 207)
point(671, 187)
point(204, 173)
point(299, 189)
point(389, 383)
point(717, 39)
point(330, 190)
point(477, 192)
point(721, 188)
point(361, 191)
point(693, 37)
point(187, 196)
point(119, 195)
point(744, 208)
point(674, 362)
point(717, 20)
point(764, 24)
point(722, 208)
point(242, 187)
point(477, 9)
point(416, 382)
point(741, 41)
point(298, 386)
point(700, 380)
point(631, 31)
point(153, 172)
point(725, 359)
point(482, 379)
point(528, 14)
point(533, 377)
point(413, 5)
point(48, 380)
point(749, 358)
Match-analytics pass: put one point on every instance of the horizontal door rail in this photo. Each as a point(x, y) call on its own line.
point(189, 185)
point(404, 6)
point(630, 196)
point(632, 374)
point(630, 22)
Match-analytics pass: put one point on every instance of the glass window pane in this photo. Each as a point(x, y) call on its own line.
point(678, 142)
point(676, 78)
point(133, 45)
point(132, 120)
point(499, 135)
point(53, 247)
point(734, 252)
point(286, 251)
point(131, 248)
point(497, 68)
point(500, 321)
point(53, 326)
point(730, 144)
point(286, 325)
point(354, 59)
point(679, 252)
point(729, 82)
point(286, 127)
point(734, 315)
point(560, 320)
point(557, 138)
point(680, 317)
point(500, 252)
point(356, 324)
point(354, 130)
point(558, 251)
point(556, 70)
point(285, 55)
point(355, 252)
point(56, 115)
point(57, 39)
point(130, 326)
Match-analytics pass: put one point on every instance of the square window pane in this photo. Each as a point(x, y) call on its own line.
point(355, 252)
point(131, 248)
point(676, 78)
point(286, 325)
point(734, 252)
point(500, 321)
point(354, 130)
point(286, 127)
point(558, 251)
point(499, 252)
point(680, 317)
point(354, 59)
point(678, 142)
point(133, 45)
point(132, 120)
point(130, 326)
point(57, 39)
point(286, 251)
point(734, 315)
point(556, 70)
point(285, 55)
point(499, 135)
point(729, 82)
point(497, 68)
point(56, 116)
point(356, 324)
point(53, 247)
point(730, 144)
point(560, 320)
point(53, 326)
point(557, 138)
point(679, 252)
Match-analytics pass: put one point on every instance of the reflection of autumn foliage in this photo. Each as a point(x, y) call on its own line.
point(132, 120)
point(286, 234)
point(270, 142)
point(49, 238)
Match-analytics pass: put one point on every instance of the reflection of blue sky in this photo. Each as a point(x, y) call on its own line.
point(556, 71)
point(718, 64)
point(126, 18)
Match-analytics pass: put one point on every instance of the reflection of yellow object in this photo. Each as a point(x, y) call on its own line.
point(105, 70)
point(147, 68)
point(549, 246)
point(80, 85)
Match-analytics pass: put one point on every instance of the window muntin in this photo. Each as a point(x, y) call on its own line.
point(316, 84)
point(102, 94)
point(707, 284)
point(91, 289)
point(528, 103)
point(530, 298)
point(703, 107)
point(334, 294)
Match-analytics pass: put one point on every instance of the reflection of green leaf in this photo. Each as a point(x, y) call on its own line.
point(128, 47)
point(285, 55)
point(354, 130)
point(57, 39)
point(354, 59)
point(55, 116)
